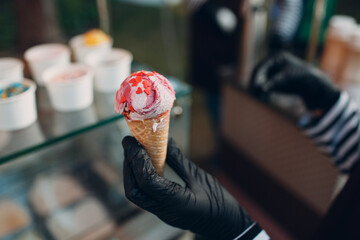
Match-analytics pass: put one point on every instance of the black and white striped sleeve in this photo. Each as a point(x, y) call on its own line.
point(337, 133)
point(254, 232)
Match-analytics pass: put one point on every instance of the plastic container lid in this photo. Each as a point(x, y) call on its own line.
point(341, 26)
point(43, 52)
point(8, 64)
point(354, 40)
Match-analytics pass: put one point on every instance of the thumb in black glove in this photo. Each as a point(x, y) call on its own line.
point(287, 74)
point(203, 206)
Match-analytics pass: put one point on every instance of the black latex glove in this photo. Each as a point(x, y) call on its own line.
point(203, 206)
point(287, 74)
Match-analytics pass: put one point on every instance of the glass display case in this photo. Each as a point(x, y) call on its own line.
point(61, 178)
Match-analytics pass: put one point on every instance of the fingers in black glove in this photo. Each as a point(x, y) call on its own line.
point(202, 206)
point(287, 74)
point(132, 190)
point(264, 71)
point(142, 183)
point(176, 160)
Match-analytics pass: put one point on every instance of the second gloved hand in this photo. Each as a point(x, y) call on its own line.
point(203, 206)
point(287, 74)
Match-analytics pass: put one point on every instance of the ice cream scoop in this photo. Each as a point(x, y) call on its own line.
point(91, 41)
point(144, 95)
point(13, 89)
point(145, 99)
point(94, 37)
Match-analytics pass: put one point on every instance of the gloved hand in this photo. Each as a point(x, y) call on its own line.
point(203, 206)
point(287, 74)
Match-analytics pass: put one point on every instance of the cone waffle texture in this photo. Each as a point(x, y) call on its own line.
point(153, 136)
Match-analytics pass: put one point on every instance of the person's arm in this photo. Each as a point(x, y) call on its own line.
point(332, 120)
point(337, 133)
point(202, 206)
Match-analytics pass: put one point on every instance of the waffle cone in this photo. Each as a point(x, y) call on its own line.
point(153, 136)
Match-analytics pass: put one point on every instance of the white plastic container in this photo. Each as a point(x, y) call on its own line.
point(43, 56)
point(11, 71)
point(73, 94)
point(80, 50)
point(19, 111)
point(111, 68)
point(351, 65)
point(338, 34)
point(350, 77)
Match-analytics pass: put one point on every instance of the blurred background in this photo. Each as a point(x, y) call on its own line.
point(208, 49)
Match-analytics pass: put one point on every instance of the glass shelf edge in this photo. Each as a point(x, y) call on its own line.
point(9, 157)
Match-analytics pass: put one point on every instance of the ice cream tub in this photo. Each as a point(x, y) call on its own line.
point(14, 218)
point(49, 193)
point(111, 68)
point(86, 219)
point(43, 56)
point(81, 47)
point(11, 70)
point(70, 87)
point(19, 111)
